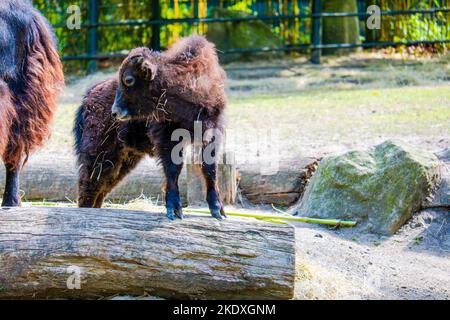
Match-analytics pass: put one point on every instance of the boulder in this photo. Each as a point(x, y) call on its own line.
point(441, 198)
point(241, 34)
point(380, 187)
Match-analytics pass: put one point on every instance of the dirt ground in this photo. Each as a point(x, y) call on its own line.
point(348, 264)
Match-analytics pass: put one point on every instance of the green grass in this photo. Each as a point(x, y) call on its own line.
point(62, 128)
point(316, 117)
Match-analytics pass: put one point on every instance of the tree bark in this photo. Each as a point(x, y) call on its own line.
point(282, 188)
point(44, 251)
point(340, 29)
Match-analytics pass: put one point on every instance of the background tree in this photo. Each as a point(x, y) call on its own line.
point(340, 29)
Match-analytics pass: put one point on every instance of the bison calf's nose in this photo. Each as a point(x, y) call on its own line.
point(119, 113)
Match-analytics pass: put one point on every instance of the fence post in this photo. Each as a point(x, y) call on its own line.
point(196, 15)
point(317, 32)
point(93, 39)
point(156, 28)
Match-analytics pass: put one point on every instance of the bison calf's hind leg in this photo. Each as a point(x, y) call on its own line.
point(96, 181)
point(173, 201)
point(11, 196)
point(212, 190)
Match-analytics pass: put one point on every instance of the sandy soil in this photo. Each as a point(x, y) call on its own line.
point(348, 264)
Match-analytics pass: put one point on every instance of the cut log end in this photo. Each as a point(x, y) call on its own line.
point(51, 252)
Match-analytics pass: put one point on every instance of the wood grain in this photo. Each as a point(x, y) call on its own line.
point(137, 253)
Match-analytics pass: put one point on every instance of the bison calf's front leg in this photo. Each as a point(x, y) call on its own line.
point(11, 196)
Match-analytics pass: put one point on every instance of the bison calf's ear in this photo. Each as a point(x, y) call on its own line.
point(149, 70)
point(143, 65)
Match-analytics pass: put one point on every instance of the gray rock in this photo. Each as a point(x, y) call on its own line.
point(380, 187)
point(441, 198)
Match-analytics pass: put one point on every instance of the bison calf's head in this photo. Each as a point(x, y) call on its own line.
point(134, 98)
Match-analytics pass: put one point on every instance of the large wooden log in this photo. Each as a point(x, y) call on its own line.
point(54, 178)
point(44, 251)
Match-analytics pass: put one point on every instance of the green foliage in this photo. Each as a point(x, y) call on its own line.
point(415, 27)
point(243, 6)
point(292, 32)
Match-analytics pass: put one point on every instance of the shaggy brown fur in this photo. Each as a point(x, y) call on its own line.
point(155, 93)
point(30, 77)
point(7, 114)
point(107, 149)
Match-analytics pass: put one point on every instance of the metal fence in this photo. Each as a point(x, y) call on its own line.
point(110, 28)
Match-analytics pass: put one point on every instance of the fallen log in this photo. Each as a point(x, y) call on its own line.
point(51, 252)
point(282, 187)
point(53, 178)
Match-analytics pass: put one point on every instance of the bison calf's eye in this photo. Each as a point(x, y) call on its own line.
point(129, 81)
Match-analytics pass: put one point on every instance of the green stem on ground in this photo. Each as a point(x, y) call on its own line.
point(270, 218)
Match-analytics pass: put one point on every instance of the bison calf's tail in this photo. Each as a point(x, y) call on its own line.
point(39, 82)
point(78, 128)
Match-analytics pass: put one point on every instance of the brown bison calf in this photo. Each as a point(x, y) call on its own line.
point(136, 112)
point(30, 78)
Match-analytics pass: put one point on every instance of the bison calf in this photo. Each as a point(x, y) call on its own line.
point(136, 112)
point(30, 78)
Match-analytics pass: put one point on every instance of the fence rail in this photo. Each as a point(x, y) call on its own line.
point(255, 18)
point(310, 18)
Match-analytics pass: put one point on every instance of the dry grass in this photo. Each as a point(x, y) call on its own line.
point(313, 282)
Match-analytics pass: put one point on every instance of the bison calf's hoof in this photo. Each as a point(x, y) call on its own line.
point(216, 214)
point(179, 213)
point(174, 213)
point(11, 203)
point(170, 214)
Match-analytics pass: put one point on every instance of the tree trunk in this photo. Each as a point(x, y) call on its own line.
point(227, 181)
point(340, 29)
point(50, 252)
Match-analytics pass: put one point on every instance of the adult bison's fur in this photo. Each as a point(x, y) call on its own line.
point(134, 114)
point(30, 77)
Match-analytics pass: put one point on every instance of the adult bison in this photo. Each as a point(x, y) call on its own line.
point(30, 77)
